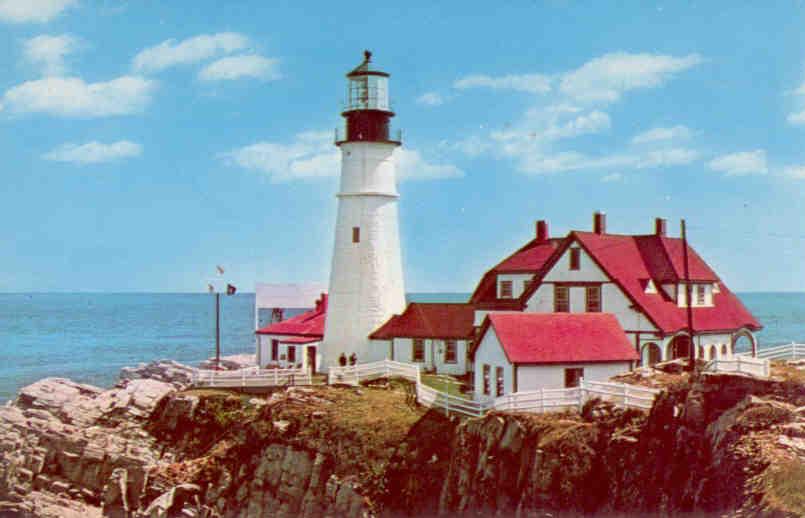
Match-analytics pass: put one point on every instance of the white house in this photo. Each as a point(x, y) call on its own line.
point(641, 279)
point(295, 342)
point(436, 336)
point(519, 351)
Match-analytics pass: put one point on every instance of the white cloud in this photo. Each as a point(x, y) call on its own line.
point(312, 155)
point(743, 163)
point(94, 152)
point(797, 118)
point(662, 134)
point(411, 166)
point(237, 67)
point(191, 50)
point(531, 83)
point(611, 178)
point(48, 52)
point(593, 122)
point(22, 11)
point(606, 78)
point(430, 99)
point(795, 171)
point(72, 97)
point(575, 161)
point(666, 158)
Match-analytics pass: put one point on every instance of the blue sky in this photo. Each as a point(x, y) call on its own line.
point(146, 142)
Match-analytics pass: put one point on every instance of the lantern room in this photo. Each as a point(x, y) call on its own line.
point(368, 110)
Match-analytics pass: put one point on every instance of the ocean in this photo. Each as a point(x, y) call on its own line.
point(88, 337)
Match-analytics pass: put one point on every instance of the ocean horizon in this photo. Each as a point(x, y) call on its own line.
point(90, 336)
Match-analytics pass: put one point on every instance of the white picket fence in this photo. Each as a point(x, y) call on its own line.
point(539, 401)
point(251, 377)
point(760, 367)
point(790, 351)
point(354, 374)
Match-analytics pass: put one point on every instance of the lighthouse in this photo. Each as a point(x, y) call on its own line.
point(366, 278)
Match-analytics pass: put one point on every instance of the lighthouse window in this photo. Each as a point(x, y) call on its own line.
point(356, 234)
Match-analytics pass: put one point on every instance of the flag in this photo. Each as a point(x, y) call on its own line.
point(220, 269)
point(230, 290)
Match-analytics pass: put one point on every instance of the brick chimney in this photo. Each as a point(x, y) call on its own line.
point(600, 223)
point(660, 226)
point(542, 231)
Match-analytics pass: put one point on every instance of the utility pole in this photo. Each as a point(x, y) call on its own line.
point(688, 301)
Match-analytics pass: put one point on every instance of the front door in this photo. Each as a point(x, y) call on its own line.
point(311, 358)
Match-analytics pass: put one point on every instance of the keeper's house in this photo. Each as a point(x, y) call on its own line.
point(640, 279)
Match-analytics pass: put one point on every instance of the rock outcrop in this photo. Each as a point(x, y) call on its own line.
point(712, 445)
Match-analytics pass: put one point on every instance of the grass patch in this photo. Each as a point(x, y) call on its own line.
point(445, 383)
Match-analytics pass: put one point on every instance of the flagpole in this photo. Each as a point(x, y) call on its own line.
point(217, 330)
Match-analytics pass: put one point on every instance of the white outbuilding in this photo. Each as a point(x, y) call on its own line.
point(518, 351)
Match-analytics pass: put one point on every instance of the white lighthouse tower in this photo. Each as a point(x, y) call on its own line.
point(366, 278)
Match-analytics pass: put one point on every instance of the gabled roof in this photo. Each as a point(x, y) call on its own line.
point(528, 259)
point(429, 320)
point(308, 324)
point(630, 260)
point(559, 337)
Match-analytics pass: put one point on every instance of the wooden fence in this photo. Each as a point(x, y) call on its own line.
point(760, 367)
point(251, 377)
point(354, 374)
point(539, 401)
point(790, 351)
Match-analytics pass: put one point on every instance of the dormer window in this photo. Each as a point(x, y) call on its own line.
point(575, 258)
point(701, 292)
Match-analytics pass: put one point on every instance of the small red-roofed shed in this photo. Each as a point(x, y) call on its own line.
point(518, 351)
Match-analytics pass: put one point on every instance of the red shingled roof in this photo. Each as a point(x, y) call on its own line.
point(528, 259)
point(308, 324)
point(630, 260)
point(429, 320)
point(560, 337)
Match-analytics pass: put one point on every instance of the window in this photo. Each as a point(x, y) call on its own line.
point(275, 350)
point(593, 299)
point(450, 351)
point(573, 377)
point(418, 352)
point(561, 299)
point(486, 379)
point(700, 293)
point(498, 381)
point(356, 234)
point(505, 289)
point(291, 354)
point(575, 258)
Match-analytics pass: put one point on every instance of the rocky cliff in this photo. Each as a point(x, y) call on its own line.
point(713, 444)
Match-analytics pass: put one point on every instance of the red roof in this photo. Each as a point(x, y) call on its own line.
point(308, 324)
point(630, 260)
point(429, 320)
point(560, 337)
point(528, 259)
